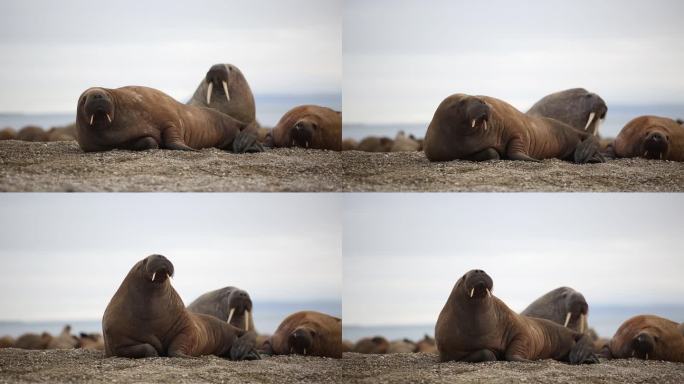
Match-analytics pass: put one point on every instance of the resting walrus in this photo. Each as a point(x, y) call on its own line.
point(482, 128)
point(140, 118)
point(147, 318)
point(307, 333)
point(476, 326)
point(230, 304)
point(225, 89)
point(651, 137)
point(309, 126)
point(575, 107)
point(563, 306)
point(648, 337)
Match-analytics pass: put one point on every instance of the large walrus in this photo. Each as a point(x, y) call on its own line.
point(8, 133)
point(226, 90)
point(375, 144)
point(307, 333)
point(648, 337)
point(65, 340)
point(651, 137)
point(575, 107)
point(7, 342)
point(482, 128)
point(32, 133)
point(229, 304)
point(309, 126)
point(563, 306)
point(372, 345)
point(147, 318)
point(33, 341)
point(139, 118)
point(476, 326)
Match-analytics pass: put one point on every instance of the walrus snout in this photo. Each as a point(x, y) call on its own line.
point(98, 108)
point(478, 114)
point(301, 340)
point(218, 76)
point(302, 134)
point(240, 304)
point(478, 284)
point(655, 145)
point(158, 268)
point(643, 345)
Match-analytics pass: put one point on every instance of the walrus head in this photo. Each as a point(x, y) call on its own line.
point(156, 269)
point(597, 110)
point(96, 108)
point(655, 144)
point(644, 344)
point(218, 78)
point(477, 284)
point(465, 121)
point(302, 339)
point(305, 132)
point(576, 307)
point(239, 304)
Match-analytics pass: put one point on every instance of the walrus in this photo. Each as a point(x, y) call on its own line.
point(91, 341)
point(32, 133)
point(375, 144)
point(309, 126)
point(426, 345)
point(33, 341)
point(476, 326)
point(349, 144)
point(652, 137)
point(648, 337)
point(225, 89)
point(8, 133)
point(230, 304)
point(563, 306)
point(7, 342)
point(480, 128)
point(65, 133)
point(307, 333)
point(404, 143)
point(65, 340)
point(139, 118)
point(347, 346)
point(372, 345)
point(401, 346)
point(575, 107)
point(147, 318)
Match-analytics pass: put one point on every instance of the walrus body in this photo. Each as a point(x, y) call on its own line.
point(480, 128)
point(476, 326)
point(309, 126)
point(651, 137)
point(308, 333)
point(8, 133)
point(575, 107)
point(426, 345)
point(91, 341)
point(372, 345)
point(225, 89)
point(404, 143)
point(32, 133)
point(648, 337)
point(229, 304)
point(139, 118)
point(349, 144)
point(375, 144)
point(66, 133)
point(33, 341)
point(402, 346)
point(563, 306)
point(65, 340)
point(7, 342)
point(147, 318)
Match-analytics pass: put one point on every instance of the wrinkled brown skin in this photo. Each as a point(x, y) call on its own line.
point(32, 133)
point(427, 345)
point(372, 345)
point(510, 134)
point(572, 107)
point(404, 143)
point(648, 337)
point(349, 144)
point(145, 118)
point(402, 346)
point(375, 144)
point(91, 341)
point(241, 104)
point(7, 342)
point(633, 139)
point(33, 341)
point(555, 306)
point(8, 133)
point(65, 340)
point(483, 328)
point(147, 318)
point(323, 335)
point(320, 127)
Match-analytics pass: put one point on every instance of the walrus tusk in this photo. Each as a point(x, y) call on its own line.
point(661, 155)
point(489, 293)
point(591, 117)
point(108, 118)
point(305, 353)
point(225, 89)
point(153, 275)
point(209, 89)
point(647, 356)
point(91, 119)
point(230, 315)
point(472, 290)
point(306, 144)
point(645, 153)
point(582, 323)
point(632, 353)
point(485, 124)
point(472, 125)
point(246, 320)
point(567, 319)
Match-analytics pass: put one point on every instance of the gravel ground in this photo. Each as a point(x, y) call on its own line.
point(62, 166)
point(82, 366)
point(424, 368)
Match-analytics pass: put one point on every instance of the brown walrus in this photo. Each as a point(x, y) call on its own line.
point(65, 133)
point(426, 345)
point(575, 107)
point(349, 144)
point(139, 118)
point(405, 143)
point(480, 128)
point(648, 337)
point(91, 341)
point(563, 306)
point(8, 133)
point(347, 346)
point(307, 333)
point(65, 340)
point(375, 144)
point(32, 133)
point(651, 137)
point(230, 304)
point(401, 346)
point(225, 89)
point(372, 345)
point(7, 342)
point(476, 326)
point(309, 126)
point(33, 341)
point(147, 318)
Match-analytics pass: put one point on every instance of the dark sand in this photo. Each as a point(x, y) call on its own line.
point(61, 166)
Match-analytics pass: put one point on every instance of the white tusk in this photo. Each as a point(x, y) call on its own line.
point(472, 290)
point(632, 353)
point(567, 319)
point(305, 353)
point(209, 89)
point(645, 153)
point(109, 118)
point(485, 124)
point(168, 277)
point(225, 89)
point(647, 356)
point(306, 143)
point(153, 275)
point(489, 293)
point(472, 125)
point(581, 323)
point(661, 155)
point(246, 320)
point(598, 124)
point(230, 315)
point(91, 119)
point(591, 117)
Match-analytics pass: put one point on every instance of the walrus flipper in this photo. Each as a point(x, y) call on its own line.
point(144, 143)
point(479, 356)
point(588, 150)
point(172, 139)
point(484, 155)
point(136, 351)
point(246, 142)
point(243, 347)
point(583, 352)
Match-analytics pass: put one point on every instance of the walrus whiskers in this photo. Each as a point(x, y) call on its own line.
point(591, 117)
point(567, 319)
point(230, 315)
point(209, 89)
point(225, 89)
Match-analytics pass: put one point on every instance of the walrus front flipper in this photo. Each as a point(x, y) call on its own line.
point(172, 139)
point(479, 356)
point(144, 143)
point(588, 150)
point(484, 155)
point(246, 142)
point(136, 351)
point(583, 351)
point(243, 347)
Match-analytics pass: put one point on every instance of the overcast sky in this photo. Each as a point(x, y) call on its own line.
point(63, 256)
point(54, 50)
point(403, 57)
point(403, 253)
